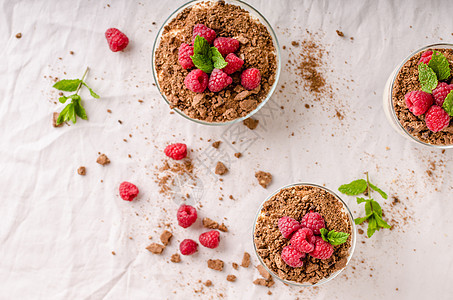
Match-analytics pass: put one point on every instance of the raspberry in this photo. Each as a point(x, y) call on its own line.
point(441, 92)
point(436, 118)
point(323, 250)
point(250, 78)
point(184, 54)
point(187, 215)
point(218, 80)
point(226, 45)
point(188, 247)
point(210, 239)
point(292, 257)
point(128, 191)
point(176, 151)
point(426, 57)
point(196, 81)
point(303, 240)
point(287, 226)
point(418, 102)
point(116, 39)
point(205, 32)
point(314, 221)
point(234, 64)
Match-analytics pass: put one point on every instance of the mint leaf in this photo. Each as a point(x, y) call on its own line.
point(71, 113)
point(381, 192)
point(359, 221)
point(376, 207)
point(368, 210)
point(93, 94)
point(201, 46)
point(372, 226)
point(354, 188)
point(361, 200)
point(324, 233)
point(439, 64)
point(337, 238)
point(67, 85)
point(202, 62)
point(427, 78)
point(380, 222)
point(448, 104)
point(80, 111)
point(217, 59)
point(62, 99)
point(63, 116)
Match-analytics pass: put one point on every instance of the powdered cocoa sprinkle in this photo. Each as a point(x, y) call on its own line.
point(170, 175)
point(245, 260)
point(231, 278)
point(215, 264)
point(82, 171)
point(251, 123)
point(407, 81)
point(103, 160)
point(256, 50)
point(264, 178)
point(295, 202)
point(221, 169)
point(310, 67)
point(165, 237)
point(155, 248)
point(175, 258)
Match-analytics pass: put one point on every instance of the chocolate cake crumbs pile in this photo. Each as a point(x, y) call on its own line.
point(172, 176)
point(257, 51)
point(295, 202)
point(407, 81)
point(310, 67)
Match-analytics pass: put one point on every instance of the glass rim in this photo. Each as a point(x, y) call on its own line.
point(252, 11)
point(351, 249)
point(392, 108)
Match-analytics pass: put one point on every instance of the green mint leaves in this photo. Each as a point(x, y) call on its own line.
point(439, 64)
point(373, 210)
point(205, 57)
point(333, 237)
point(427, 78)
point(448, 104)
point(74, 108)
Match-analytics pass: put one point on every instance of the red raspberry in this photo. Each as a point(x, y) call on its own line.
point(210, 239)
point(292, 257)
point(426, 57)
point(287, 226)
point(226, 45)
point(436, 118)
point(187, 215)
point(116, 39)
point(176, 151)
point(205, 32)
point(234, 64)
point(303, 240)
point(128, 191)
point(188, 247)
point(418, 102)
point(250, 78)
point(323, 250)
point(184, 54)
point(314, 221)
point(196, 81)
point(441, 92)
point(218, 80)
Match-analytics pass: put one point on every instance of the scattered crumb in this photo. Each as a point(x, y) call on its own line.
point(264, 273)
point(155, 248)
point(340, 33)
point(175, 258)
point(113, 252)
point(235, 266)
point(103, 160)
point(19, 35)
point(223, 228)
point(251, 123)
point(208, 283)
point(109, 111)
point(215, 264)
point(238, 154)
point(82, 171)
point(264, 178)
point(245, 260)
point(208, 223)
point(231, 278)
point(216, 144)
point(263, 282)
point(165, 237)
point(71, 52)
point(220, 169)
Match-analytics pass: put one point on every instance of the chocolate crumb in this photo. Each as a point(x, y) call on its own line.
point(360, 231)
point(264, 282)
point(215, 264)
point(264, 273)
point(119, 121)
point(165, 237)
point(71, 52)
point(245, 260)
point(82, 171)
point(155, 248)
point(231, 278)
point(54, 120)
point(208, 223)
point(238, 154)
point(220, 169)
point(295, 44)
point(223, 228)
point(216, 144)
point(208, 283)
point(19, 35)
point(235, 266)
point(103, 160)
point(113, 253)
point(340, 33)
point(264, 178)
point(251, 123)
point(175, 258)
point(109, 111)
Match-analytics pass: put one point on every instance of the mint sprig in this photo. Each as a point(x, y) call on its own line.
point(439, 64)
point(448, 104)
point(427, 78)
point(373, 210)
point(205, 57)
point(333, 237)
point(74, 108)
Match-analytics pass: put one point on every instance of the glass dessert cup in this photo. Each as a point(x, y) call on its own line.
point(254, 13)
point(345, 209)
point(389, 109)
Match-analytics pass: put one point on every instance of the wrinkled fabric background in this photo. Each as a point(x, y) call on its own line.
point(58, 229)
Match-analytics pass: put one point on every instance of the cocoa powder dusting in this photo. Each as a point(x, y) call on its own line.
point(310, 66)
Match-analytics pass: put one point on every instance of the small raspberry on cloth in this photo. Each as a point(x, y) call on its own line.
point(188, 247)
point(226, 45)
point(292, 257)
point(218, 81)
point(426, 57)
point(441, 92)
point(210, 239)
point(186, 215)
point(204, 32)
point(234, 64)
point(323, 250)
point(303, 240)
point(116, 39)
point(184, 53)
point(313, 221)
point(196, 81)
point(287, 226)
point(176, 151)
point(128, 191)
point(418, 102)
point(250, 78)
point(437, 118)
